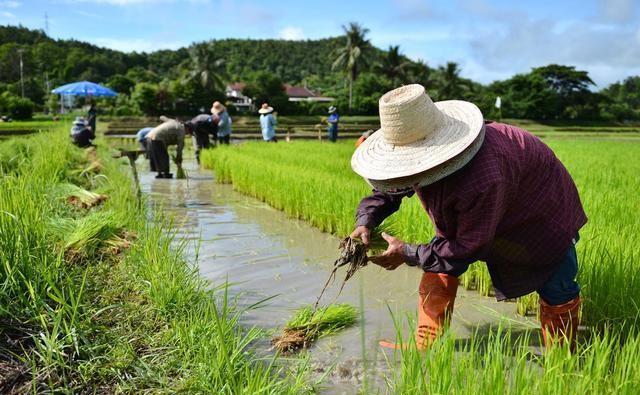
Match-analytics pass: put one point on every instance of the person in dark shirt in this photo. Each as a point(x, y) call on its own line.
point(201, 126)
point(494, 192)
point(81, 133)
point(92, 117)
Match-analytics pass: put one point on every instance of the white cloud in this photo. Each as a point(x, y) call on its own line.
point(618, 10)
point(609, 54)
point(8, 15)
point(292, 33)
point(10, 4)
point(138, 45)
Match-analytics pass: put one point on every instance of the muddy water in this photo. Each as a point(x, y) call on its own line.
point(264, 254)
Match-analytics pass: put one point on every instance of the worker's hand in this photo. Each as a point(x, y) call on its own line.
point(362, 233)
point(393, 256)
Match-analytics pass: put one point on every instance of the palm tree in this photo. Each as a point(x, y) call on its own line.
point(394, 66)
point(204, 67)
point(452, 86)
point(354, 55)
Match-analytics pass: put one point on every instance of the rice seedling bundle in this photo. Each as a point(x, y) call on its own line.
point(78, 196)
point(97, 232)
point(309, 324)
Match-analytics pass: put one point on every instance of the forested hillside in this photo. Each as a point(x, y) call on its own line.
point(348, 68)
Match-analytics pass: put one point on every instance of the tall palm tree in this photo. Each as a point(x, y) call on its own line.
point(354, 55)
point(205, 68)
point(394, 66)
point(452, 86)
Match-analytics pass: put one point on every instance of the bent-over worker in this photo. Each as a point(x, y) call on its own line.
point(169, 132)
point(494, 192)
point(201, 126)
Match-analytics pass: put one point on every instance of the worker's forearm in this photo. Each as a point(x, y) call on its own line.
point(438, 257)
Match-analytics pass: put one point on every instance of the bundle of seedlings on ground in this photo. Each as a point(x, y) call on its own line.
point(309, 324)
point(99, 232)
point(79, 197)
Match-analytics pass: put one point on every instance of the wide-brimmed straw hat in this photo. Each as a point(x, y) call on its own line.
point(419, 141)
point(217, 107)
point(265, 109)
point(80, 121)
point(332, 109)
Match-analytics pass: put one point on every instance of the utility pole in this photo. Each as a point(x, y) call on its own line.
point(20, 51)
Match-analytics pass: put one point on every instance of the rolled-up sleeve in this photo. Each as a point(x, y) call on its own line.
point(373, 209)
point(476, 221)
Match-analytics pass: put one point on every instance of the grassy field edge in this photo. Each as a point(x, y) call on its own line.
point(133, 319)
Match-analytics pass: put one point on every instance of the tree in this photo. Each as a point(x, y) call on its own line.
point(204, 67)
point(354, 55)
point(450, 84)
point(266, 87)
point(121, 84)
point(420, 73)
point(394, 66)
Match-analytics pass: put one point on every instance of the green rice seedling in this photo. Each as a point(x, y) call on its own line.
point(181, 174)
point(308, 324)
point(314, 182)
point(84, 237)
point(78, 196)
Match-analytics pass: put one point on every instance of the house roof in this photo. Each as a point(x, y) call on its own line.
point(298, 91)
point(237, 86)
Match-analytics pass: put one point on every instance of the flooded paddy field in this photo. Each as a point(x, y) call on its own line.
point(266, 255)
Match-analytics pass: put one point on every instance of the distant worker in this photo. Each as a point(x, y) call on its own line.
point(333, 120)
point(200, 127)
point(495, 193)
point(141, 138)
point(92, 117)
point(81, 133)
point(362, 138)
point(224, 122)
point(268, 123)
point(169, 132)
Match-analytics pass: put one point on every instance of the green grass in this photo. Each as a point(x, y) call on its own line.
point(25, 127)
point(130, 320)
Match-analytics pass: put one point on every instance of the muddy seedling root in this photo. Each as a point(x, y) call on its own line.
point(353, 253)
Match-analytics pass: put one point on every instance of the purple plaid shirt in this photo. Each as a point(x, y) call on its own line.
point(513, 206)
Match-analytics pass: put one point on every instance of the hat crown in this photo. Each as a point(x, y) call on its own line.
point(407, 115)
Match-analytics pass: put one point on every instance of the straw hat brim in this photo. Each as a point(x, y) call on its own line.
point(375, 159)
point(404, 184)
point(265, 110)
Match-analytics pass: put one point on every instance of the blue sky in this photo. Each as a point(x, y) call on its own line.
point(490, 39)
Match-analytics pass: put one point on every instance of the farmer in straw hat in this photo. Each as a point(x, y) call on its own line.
point(494, 193)
point(268, 123)
point(224, 122)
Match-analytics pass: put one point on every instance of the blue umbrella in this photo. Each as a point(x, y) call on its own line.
point(84, 88)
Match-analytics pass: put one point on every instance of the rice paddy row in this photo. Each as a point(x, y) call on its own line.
point(314, 182)
point(96, 300)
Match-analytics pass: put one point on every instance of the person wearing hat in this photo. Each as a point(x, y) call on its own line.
point(267, 123)
point(200, 127)
point(224, 122)
point(141, 138)
point(494, 192)
point(169, 132)
point(333, 120)
point(81, 133)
